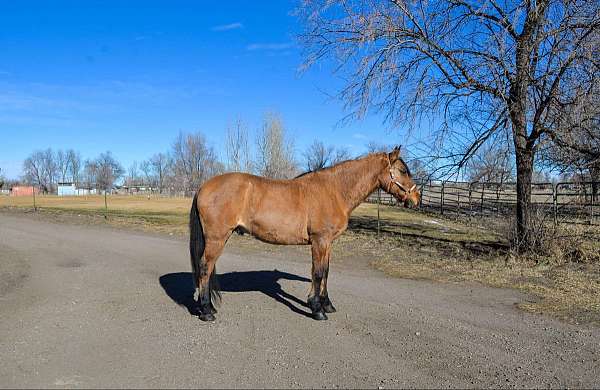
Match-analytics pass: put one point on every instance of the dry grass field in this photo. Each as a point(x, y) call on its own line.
point(116, 203)
point(161, 214)
point(410, 244)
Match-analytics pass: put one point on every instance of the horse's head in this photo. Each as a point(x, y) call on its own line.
point(396, 180)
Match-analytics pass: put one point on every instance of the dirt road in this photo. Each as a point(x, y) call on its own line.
point(88, 306)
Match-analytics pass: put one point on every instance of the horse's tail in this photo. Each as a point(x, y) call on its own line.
point(197, 251)
point(196, 240)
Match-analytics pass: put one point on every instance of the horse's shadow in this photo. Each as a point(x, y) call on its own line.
point(180, 287)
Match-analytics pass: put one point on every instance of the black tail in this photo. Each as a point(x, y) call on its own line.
point(197, 251)
point(196, 241)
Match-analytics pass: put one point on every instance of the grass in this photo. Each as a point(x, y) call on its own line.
point(116, 203)
point(432, 248)
point(410, 223)
point(411, 244)
point(160, 214)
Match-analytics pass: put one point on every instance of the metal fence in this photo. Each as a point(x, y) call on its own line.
point(573, 201)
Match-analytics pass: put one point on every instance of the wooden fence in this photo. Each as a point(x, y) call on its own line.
point(573, 201)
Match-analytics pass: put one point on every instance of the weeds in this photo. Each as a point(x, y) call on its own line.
point(554, 244)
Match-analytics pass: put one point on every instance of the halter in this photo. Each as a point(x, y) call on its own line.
point(396, 182)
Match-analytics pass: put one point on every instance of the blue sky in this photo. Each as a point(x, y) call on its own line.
point(128, 76)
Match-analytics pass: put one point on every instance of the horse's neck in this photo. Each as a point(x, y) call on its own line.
point(359, 180)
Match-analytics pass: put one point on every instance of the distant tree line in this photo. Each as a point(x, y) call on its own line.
point(270, 152)
point(46, 168)
point(189, 162)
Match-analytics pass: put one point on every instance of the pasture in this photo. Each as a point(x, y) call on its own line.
point(410, 244)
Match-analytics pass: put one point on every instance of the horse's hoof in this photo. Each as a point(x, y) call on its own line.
point(207, 317)
point(328, 308)
point(319, 316)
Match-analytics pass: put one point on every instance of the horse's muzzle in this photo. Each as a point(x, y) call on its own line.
point(412, 200)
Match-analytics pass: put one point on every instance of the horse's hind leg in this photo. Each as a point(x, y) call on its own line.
point(212, 251)
point(325, 301)
point(320, 268)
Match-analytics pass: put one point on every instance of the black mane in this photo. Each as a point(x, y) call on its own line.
point(405, 166)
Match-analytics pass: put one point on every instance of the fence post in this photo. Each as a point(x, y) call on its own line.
point(498, 199)
point(378, 202)
point(34, 205)
point(594, 196)
point(442, 199)
point(105, 206)
point(470, 198)
point(482, 191)
point(555, 202)
point(592, 207)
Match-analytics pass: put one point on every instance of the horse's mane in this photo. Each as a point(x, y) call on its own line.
point(339, 165)
point(334, 167)
point(405, 166)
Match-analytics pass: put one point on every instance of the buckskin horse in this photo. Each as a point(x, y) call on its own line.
point(312, 209)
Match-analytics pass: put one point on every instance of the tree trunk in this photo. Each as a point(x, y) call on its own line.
point(524, 175)
point(524, 156)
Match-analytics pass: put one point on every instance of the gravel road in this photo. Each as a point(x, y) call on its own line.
point(91, 306)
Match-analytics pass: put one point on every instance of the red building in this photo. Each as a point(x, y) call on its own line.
point(23, 191)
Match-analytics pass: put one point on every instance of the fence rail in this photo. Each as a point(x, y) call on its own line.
point(574, 201)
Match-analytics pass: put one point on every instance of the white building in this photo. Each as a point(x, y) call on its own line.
point(66, 189)
point(70, 189)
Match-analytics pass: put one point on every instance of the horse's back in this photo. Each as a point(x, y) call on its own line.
point(272, 210)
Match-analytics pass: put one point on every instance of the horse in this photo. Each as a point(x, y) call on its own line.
point(311, 209)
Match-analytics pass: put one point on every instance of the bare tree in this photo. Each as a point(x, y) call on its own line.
point(194, 161)
point(481, 67)
point(107, 171)
point(40, 169)
point(378, 147)
point(74, 159)
point(90, 172)
point(419, 171)
point(160, 164)
point(318, 156)
point(2, 180)
point(148, 177)
point(490, 164)
point(578, 148)
point(341, 154)
point(133, 176)
point(275, 151)
point(62, 165)
point(68, 165)
point(539, 176)
point(237, 148)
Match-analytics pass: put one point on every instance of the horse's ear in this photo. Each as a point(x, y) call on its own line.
point(395, 154)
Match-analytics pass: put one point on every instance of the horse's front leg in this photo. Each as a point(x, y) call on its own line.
point(318, 299)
